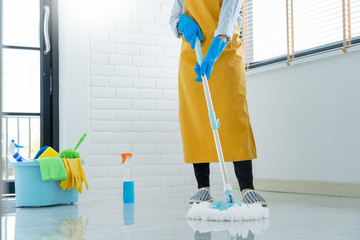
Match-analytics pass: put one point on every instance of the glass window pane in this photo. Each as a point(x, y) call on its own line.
point(34, 136)
point(355, 18)
point(3, 149)
point(7, 227)
point(29, 136)
point(21, 20)
point(11, 129)
point(317, 23)
point(26, 132)
point(21, 81)
point(24, 136)
point(267, 18)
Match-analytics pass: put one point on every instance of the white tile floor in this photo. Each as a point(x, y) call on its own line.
point(292, 216)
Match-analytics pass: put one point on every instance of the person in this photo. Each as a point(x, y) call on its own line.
point(214, 22)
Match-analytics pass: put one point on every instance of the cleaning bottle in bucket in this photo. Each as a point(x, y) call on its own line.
point(12, 150)
point(128, 184)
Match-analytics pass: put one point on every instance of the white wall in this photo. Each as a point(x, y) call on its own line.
point(118, 65)
point(306, 120)
point(73, 77)
point(118, 83)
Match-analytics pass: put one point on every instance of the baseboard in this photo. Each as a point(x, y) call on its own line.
point(342, 189)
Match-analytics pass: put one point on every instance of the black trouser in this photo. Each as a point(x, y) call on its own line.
point(243, 172)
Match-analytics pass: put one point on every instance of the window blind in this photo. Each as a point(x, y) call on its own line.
point(282, 30)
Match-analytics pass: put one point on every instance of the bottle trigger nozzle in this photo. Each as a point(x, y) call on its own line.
point(125, 156)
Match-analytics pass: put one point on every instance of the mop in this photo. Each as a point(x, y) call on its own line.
point(229, 210)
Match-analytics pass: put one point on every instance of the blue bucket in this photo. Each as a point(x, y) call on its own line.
point(32, 191)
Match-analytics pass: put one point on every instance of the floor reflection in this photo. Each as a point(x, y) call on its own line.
point(232, 230)
point(8, 227)
point(129, 220)
point(46, 223)
point(207, 236)
point(129, 214)
point(71, 230)
point(162, 217)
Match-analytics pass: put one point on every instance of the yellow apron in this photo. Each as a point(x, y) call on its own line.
point(228, 90)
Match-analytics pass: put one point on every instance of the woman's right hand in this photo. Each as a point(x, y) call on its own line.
point(189, 29)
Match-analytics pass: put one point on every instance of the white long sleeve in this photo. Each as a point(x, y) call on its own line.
point(229, 15)
point(176, 12)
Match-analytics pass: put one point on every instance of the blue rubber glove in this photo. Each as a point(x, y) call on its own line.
point(216, 48)
point(189, 28)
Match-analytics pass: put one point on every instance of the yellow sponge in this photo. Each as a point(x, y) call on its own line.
point(49, 153)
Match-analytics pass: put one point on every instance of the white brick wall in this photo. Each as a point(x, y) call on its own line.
point(133, 105)
point(133, 60)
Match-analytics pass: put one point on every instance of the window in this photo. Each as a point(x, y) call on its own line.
point(283, 30)
point(29, 77)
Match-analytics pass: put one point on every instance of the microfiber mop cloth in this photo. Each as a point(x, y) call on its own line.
point(238, 212)
point(52, 169)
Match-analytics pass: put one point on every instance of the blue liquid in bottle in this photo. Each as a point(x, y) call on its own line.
point(128, 192)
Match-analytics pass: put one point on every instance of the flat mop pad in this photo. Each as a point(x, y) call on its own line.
point(239, 212)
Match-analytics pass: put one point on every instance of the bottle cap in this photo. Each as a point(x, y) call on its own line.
point(124, 156)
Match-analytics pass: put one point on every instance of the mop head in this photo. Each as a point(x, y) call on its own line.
point(238, 212)
point(69, 153)
point(72, 153)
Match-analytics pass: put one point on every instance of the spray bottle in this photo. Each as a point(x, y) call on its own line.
point(128, 184)
point(12, 150)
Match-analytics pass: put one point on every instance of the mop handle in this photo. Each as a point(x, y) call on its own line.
point(214, 123)
point(80, 141)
